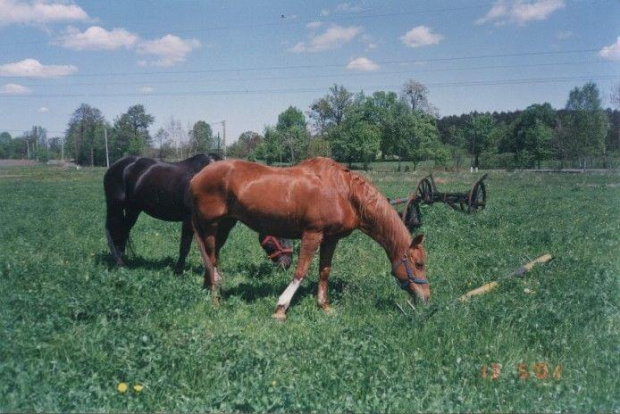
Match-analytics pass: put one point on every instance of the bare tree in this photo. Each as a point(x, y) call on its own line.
point(416, 95)
point(614, 96)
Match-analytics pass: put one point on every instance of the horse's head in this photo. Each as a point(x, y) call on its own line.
point(410, 271)
point(280, 251)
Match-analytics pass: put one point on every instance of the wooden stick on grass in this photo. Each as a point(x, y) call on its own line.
point(519, 272)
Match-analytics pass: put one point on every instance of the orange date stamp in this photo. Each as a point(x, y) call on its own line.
point(538, 370)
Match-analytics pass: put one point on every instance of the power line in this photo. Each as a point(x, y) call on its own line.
point(232, 92)
point(348, 75)
point(340, 65)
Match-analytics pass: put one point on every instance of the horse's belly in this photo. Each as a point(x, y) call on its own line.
point(166, 211)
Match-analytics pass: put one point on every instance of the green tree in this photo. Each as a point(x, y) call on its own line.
point(246, 146)
point(357, 138)
point(5, 145)
point(533, 133)
point(585, 123)
point(477, 135)
point(384, 109)
point(273, 148)
point(84, 136)
point(201, 137)
point(330, 110)
point(131, 131)
point(292, 128)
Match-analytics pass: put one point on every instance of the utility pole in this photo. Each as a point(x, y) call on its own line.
point(107, 156)
point(224, 136)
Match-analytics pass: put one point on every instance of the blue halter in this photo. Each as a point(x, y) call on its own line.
point(410, 276)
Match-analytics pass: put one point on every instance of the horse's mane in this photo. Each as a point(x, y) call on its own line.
point(379, 219)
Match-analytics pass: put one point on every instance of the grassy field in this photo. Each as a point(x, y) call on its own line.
point(73, 328)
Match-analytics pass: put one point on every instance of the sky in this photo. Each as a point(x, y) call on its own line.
point(244, 62)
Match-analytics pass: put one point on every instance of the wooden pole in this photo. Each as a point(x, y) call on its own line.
point(107, 155)
point(518, 272)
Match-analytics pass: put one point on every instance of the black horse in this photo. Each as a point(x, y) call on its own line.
point(161, 190)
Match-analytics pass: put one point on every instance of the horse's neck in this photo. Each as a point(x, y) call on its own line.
point(381, 222)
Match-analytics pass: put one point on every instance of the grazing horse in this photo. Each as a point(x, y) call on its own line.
point(318, 201)
point(161, 190)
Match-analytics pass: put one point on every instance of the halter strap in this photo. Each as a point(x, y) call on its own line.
point(404, 261)
point(279, 249)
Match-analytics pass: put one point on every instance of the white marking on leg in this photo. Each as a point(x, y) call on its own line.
point(287, 295)
point(216, 275)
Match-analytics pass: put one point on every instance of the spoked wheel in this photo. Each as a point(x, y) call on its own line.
point(424, 191)
point(412, 217)
point(477, 197)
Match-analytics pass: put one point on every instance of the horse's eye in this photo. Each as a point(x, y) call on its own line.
point(419, 265)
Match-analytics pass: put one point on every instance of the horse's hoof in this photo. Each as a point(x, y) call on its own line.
point(327, 309)
point(280, 317)
point(280, 314)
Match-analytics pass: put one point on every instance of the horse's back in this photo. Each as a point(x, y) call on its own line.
point(280, 201)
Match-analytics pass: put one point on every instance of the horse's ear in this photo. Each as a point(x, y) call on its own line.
point(215, 157)
point(417, 241)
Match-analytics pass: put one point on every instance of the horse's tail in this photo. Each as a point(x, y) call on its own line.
point(115, 196)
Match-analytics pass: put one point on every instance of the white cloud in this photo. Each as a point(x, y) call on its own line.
point(520, 11)
point(421, 36)
point(169, 50)
point(146, 90)
point(39, 12)
point(98, 38)
point(43, 109)
point(564, 35)
point(14, 89)
point(611, 52)
point(32, 68)
point(333, 38)
point(314, 25)
point(363, 64)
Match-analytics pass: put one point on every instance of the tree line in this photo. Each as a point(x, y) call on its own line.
point(360, 128)
point(90, 140)
point(355, 129)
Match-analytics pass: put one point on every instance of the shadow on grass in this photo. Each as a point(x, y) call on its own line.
point(136, 262)
point(259, 289)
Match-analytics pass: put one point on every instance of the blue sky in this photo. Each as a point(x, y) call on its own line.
point(247, 61)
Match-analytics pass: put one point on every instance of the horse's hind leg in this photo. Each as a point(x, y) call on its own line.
point(114, 227)
point(205, 239)
point(223, 230)
point(186, 241)
point(325, 267)
point(309, 244)
point(118, 259)
point(131, 216)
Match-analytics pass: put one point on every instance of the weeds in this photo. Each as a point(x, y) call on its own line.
point(74, 328)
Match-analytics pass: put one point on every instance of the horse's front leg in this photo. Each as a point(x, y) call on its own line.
point(325, 267)
point(186, 241)
point(309, 244)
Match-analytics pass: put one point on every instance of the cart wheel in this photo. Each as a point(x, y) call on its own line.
point(477, 197)
point(412, 217)
point(424, 191)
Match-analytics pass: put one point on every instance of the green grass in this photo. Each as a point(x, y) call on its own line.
point(73, 328)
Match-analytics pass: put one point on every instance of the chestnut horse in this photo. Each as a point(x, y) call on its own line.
point(318, 201)
point(161, 190)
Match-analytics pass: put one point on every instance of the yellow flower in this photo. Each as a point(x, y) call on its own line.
point(138, 388)
point(122, 387)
